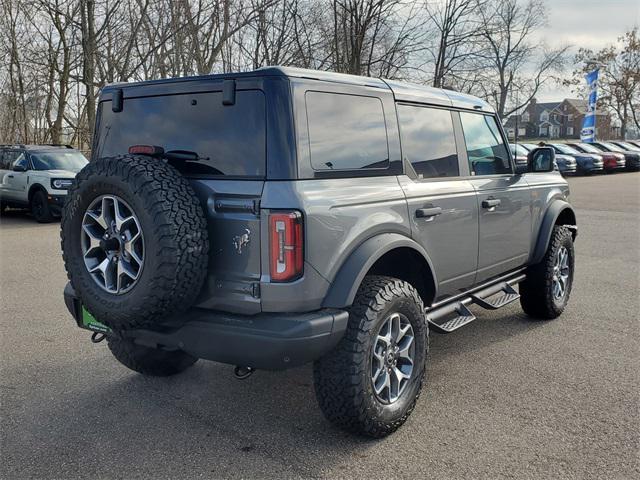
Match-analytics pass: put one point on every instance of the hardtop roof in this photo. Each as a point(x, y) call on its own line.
point(403, 91)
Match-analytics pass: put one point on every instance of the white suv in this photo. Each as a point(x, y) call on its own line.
point(38, 176)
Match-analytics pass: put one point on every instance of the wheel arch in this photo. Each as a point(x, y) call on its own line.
point(33, 189)
point(558, 213)
point(390, 254)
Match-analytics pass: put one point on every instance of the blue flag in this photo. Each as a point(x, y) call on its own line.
point(588, 132)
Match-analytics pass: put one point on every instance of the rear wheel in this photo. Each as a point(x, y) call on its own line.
point(545, 292)
point(149, 361)
point(370, 382)
point(40, 207)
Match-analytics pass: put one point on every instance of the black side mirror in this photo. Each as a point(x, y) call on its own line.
point(541, 159)
point(19, 168)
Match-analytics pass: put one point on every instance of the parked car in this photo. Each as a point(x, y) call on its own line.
point(37, 177)
point(635, 143)
point(612, 161)
point(628, 148)
point(284, 216)
point(563, 163)
point(632, 159)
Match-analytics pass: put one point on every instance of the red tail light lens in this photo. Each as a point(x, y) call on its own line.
point(286, 241)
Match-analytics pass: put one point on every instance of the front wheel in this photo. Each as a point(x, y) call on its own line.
point(149, 361)
point(545, 292)
point(40, 208)
point(370, 382)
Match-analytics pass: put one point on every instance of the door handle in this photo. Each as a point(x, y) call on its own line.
point(490, 203)
point(10, 176)
point(428, 212)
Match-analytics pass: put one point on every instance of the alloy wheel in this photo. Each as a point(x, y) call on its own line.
point(112, 244)
point(392, 358)
point(561, 272)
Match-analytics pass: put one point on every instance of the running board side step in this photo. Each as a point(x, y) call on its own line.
point(452, 316)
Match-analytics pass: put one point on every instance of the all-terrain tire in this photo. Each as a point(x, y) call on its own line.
point(537, 290)
point(149, 361)
point(343, 383)
point(39, 207)
point(174, 232)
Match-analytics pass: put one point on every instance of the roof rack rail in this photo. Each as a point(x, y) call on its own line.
point(12, 145)
point(65, 145)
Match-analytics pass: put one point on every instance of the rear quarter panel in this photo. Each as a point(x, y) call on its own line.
point(339, 215)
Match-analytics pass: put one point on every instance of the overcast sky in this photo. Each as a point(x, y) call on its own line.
point(592, 24)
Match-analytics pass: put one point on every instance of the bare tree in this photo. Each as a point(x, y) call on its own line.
point(513, 76)
point(619, 78)
point(457, 29)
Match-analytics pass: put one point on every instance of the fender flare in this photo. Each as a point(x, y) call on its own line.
point(33, 189)
point(546, 228)
point(348, 279)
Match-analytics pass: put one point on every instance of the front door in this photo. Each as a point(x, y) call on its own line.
point(442, 205)
point(503, 198)
point(17, 182)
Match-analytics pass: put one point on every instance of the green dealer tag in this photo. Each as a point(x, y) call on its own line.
point(90, 323)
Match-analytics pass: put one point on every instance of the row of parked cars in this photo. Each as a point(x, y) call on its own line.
point(588, 158)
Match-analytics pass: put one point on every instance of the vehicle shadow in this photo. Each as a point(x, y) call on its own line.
point(265, 424)
point(17, 218)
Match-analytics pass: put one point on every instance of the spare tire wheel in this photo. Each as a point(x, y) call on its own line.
point(134, 241)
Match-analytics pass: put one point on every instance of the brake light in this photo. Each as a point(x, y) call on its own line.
point(286, 240)
point(145, 150)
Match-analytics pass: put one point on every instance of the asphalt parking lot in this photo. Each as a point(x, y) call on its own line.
point(505, 397)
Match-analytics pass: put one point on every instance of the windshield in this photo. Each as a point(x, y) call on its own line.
point(527, 146)
point(628, 146)
point(610, 146)
point(566, 149)
point(62, 160)
point(589, 148)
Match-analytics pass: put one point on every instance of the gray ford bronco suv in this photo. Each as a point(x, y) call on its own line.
point(273, 218)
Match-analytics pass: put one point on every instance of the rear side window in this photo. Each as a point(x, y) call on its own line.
point(346, 132)
point(428, 141)
point(230, 140)
point(9, 158)
point(485, 148)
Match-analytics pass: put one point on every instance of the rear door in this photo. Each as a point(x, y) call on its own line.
point(442, 204)
point(503, 198)
point(228, 178)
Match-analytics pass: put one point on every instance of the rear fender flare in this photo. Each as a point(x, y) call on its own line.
point(557, 208)
point(348, 279)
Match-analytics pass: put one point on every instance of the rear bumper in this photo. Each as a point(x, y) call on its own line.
point(268, 341)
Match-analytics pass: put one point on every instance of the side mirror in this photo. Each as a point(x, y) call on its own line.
point(541, 159)
point(19, 168)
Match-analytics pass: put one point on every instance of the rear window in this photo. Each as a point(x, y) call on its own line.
point(346, 132)
point(229, 139)
point(428, 141)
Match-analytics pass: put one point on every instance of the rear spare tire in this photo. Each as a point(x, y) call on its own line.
point(134, 240)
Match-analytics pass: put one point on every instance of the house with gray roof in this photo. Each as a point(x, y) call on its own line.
point(557, 120)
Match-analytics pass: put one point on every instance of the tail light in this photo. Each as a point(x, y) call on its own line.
point(286, 241)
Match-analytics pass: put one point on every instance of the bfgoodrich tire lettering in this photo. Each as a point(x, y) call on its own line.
point(539, 295)
point(175, 239)
point(343, 382)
